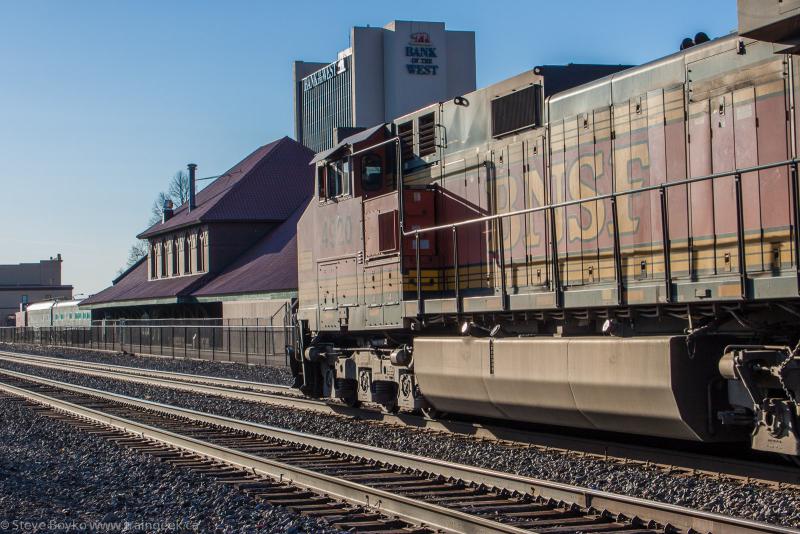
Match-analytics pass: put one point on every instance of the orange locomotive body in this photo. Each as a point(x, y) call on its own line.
point(601, 247)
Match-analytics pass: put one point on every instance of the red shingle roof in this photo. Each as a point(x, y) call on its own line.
point(265, 186)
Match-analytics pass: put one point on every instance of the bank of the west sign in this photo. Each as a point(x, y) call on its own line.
point(324, 74)
point(421, 55)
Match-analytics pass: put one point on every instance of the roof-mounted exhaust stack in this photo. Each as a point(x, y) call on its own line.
point(700, 38)
point(192, 170)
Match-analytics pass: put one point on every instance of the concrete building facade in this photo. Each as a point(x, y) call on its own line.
point(385, 73)
point(24, 283)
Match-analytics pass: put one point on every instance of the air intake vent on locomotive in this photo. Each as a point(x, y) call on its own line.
point(517, 111)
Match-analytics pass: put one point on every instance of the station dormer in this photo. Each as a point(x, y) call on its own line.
point(181, 253)
point(239, 207)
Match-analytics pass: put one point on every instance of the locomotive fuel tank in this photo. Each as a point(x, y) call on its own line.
point(645, 385)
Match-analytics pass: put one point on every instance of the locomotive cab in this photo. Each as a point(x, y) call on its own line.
point(351, 270)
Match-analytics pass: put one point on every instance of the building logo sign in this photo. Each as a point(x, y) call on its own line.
point(421, 55)
point(324, 74)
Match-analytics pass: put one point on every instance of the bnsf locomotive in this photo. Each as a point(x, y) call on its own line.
point(612, 251)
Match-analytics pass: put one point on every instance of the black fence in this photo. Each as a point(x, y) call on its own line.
point(263, 345)
point(255, 321)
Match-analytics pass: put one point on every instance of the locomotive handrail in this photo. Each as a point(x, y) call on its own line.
point(605, 196)
point(552, 249)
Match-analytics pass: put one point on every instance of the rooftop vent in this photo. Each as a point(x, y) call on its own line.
point(427, 134)
point(167, 211)
point(406, 133)
point(517, 111)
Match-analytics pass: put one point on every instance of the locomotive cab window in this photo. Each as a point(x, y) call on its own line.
point(338, 179)
point(321, 182)
point(371, 172)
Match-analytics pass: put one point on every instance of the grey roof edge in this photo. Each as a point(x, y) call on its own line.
point(134, 302)
point(278, 294)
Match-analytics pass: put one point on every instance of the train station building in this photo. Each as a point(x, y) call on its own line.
point(384, 73)
point(228, 253)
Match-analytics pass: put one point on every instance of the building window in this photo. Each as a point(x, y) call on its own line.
point(187, 262)
point(201, 245)
point(153, 274)
point(193, 253)
point(175, 271)
point(167, 259)
point(162, 256)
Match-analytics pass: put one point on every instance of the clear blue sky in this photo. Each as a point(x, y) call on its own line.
point(101, 102)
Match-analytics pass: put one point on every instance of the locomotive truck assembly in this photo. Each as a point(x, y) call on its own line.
point(612, 250)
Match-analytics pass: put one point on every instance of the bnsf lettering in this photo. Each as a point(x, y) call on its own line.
point(593, 219)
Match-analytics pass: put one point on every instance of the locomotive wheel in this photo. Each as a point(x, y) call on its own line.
point(390, 408)
point(352, 401)
point(385, 394)
point(348, 392)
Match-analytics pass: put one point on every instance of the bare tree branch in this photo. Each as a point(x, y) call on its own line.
point(178, 193)
point(178, 188)
point(157, 210)
point(137, 251)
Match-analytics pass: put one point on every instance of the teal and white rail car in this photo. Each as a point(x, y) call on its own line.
point(57, 313)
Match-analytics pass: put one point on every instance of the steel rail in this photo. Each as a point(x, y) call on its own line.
point(154, 379)
point(186, 377)
point(665, 514)
point(381, 501)
point(599, 448)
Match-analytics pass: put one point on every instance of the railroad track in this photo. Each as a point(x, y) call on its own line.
point(276, 492)
point(260, 387)
point(745, 471)
point(363, 487)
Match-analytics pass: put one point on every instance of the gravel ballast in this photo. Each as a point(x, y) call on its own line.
point(720, 496)
point(238, 371)
point(54, 478)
